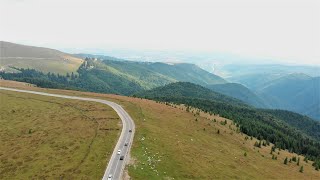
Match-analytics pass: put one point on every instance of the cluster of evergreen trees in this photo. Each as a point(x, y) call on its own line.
point(94, 80)
point(49, 80)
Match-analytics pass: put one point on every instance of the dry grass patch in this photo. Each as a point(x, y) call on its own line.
point(46, 137)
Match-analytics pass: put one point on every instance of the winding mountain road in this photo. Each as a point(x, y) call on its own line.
point(115, 166)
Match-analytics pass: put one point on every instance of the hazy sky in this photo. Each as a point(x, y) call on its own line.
point(278, 29)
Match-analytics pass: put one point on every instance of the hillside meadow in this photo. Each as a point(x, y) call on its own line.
point(53, 138)
point(171, 143)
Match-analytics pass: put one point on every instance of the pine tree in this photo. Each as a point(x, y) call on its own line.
point(72, 75)
point(294, 159)
point(245, 153)
point(218, 131)
point(298, 163)
point(264, 143)
point(285, 161)
point(301, 169)
point(256, 144)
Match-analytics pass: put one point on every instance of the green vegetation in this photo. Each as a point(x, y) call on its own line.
point(94, 80)
point(53, 138)
point(298, 121)
point(240, 92)
point(169, 144)
point(117, 77)
point(187, 89)
point(301, 169)
point(253, 122)
point(294, 92)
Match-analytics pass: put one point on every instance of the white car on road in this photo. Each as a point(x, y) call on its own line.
point(119, 152)
point(110, 177)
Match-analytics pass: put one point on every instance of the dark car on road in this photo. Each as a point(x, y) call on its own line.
point(121, 157)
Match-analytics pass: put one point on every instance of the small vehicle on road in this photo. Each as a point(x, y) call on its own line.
point(121, 157)
point(110, 177)
point(119, 152)
point(130, 130)
point(126, 144)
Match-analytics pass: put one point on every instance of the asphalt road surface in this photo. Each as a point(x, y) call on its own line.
point(115, 166)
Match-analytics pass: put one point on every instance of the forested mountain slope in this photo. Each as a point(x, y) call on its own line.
point(296, 92)
point(240, 92)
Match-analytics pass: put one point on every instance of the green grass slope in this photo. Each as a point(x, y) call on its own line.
point(185, 72)
point(41, 59)
point(152, 75)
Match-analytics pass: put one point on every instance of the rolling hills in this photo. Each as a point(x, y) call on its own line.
point(240, 92)
point(267, 85)
point(295, 92)
point(39, 58)
point(151, 75)
point(187, 89)
point(173, 143)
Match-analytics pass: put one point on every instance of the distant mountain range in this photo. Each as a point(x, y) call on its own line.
point(271, 86)
point(296, 92)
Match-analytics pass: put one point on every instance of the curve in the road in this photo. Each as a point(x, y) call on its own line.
point(115, 166)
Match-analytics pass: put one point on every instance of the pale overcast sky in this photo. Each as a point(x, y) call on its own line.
point(278, 29)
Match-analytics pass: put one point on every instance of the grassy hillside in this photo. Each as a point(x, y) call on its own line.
point(170, 71)
point(295, 92)
point(152, 75)
point(173, 143)
point(117, 77)
point(139, 72)
point(254, 122)
point(41, 59)
point(186, 73)
point(53, 138)
point(240, 92)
